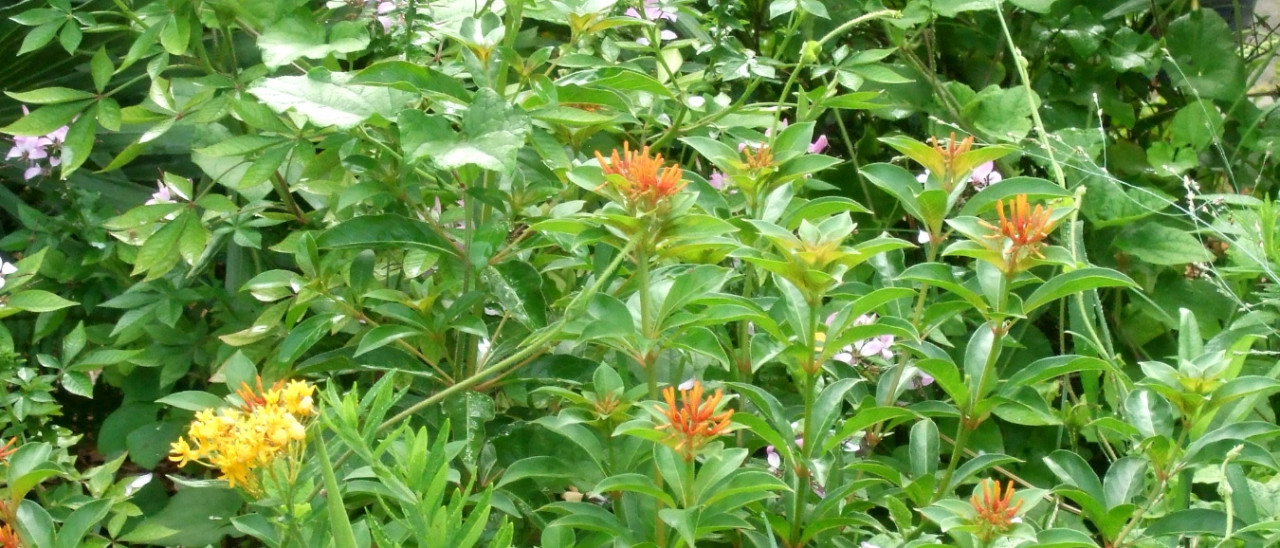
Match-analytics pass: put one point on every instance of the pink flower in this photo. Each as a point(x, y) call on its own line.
point(921, 380)
point(876, 346)
point(162, 195)
point(782, 124)
point(985, 175)
point(819, 145)
point(27, 148)
point(717, 180)
point(653, 11)
point(387, 21)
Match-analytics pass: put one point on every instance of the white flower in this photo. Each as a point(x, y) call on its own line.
point(6, 268)
point(923, 177)
point(696, 101)
point(482, 348)
point(923, 237)
point(137, 483)
point(775, 461)
point(686, 385)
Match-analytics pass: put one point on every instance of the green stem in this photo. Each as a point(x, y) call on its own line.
point(647, 354)
point(804, 475)
point(1021, 63)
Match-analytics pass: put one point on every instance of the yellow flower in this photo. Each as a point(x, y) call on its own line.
point(240, 442)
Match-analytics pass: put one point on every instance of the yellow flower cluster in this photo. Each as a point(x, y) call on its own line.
point(241, 441)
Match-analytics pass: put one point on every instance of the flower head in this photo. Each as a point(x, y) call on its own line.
point(881, 345)
point(9, 537)
point(644, 181)
point(985, 175)
point(242, 441)
point(653, 11)
point(8, 449)
point(717, 180)
point(695, 422)
point(1025, 228)
point(6, 268)
point(819, 145)
point(996, 514)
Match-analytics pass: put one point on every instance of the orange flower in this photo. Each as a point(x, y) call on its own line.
point(953, 149)
point(995, 515)
point(254, 399)
point(8, 449)
point(758, 158)
point(695, 422)
point(9, 538)
point(645, 182)
point(1025, 227)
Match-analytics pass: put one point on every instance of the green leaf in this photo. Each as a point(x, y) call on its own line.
point(301, 37)
point(1162, 245)
point(159, 254)
point(1202, 56)
point(1036, 189)
point(976, 465)
point(327, 99)
point(78, 524)
point(380, 231)
point(1074, 471)
point(634, 483)
point(79, 141)
point(899, 183)
point(414, 77)
point(303, 336)
point(383, 335)
point(49, 96)
point(40, 36)
point(37, 300)
point(923, 448)
point(1073, 282)
point(339, 523)
point(1193, 522)
point(1037, 6)
point(1149, 412)
point(1052, 367)
point(1125, 479)
point(45, 120)
point(193, 516)
point(101, 69)
point(192, 400)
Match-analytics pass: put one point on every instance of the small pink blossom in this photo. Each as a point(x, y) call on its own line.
point(985, 175)
point(717, 180)
point(921, 380)
point(819, 145)
point(876, 346)
point(782, 124)
point(653, 11)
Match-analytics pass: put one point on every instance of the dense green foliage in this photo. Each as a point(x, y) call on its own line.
point(899, 256)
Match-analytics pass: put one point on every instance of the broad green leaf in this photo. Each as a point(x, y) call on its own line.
point(300, 37)
point(328, 99)
point(1073, 282)
point(37, 300)
point(192, 400)
point(1036, 190)
point(303, 336)
point(923, 448)
point(45, 120)
point(1202, 56)
point(1162, 245)
point(387, 230)
point(49, 96)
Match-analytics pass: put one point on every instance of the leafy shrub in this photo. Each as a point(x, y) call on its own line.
point(652, 273)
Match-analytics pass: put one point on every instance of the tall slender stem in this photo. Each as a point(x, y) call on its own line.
point(804, 475)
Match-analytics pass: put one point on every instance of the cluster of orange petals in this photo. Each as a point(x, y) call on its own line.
point(695, 422)
point(996, 514)
point(1024, 226)
point(645, 181)
point(953, 149)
